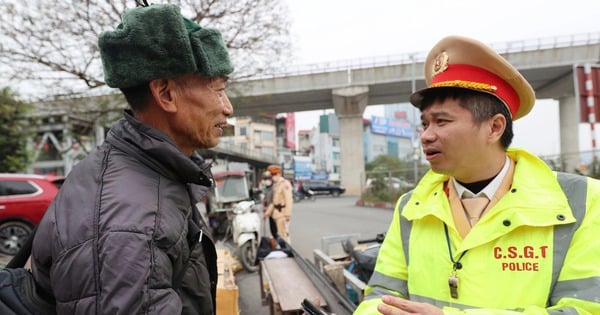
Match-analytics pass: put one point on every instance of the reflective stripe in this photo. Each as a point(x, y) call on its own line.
point(438, 303)
point(377, 293)
point(380, 282)
point(393, 284)
point(575, 188)
point(582, 289)
point(405, 226)
point(441, 304)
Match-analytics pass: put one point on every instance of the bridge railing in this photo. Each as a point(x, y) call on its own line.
point(547, 43)
point(417, 57)
point(227, 146)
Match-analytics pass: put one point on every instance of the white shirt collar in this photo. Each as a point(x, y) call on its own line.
point(490, 190)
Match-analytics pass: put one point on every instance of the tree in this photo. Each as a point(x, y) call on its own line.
point(386, 179)
point(52, 45)
point(14, 133)
point(389, 165)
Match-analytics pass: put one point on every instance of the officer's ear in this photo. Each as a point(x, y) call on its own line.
point(495, 127)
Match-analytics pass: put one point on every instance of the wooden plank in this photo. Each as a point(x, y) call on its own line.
point(335, 272)
point(289, 284)
point(322, 261)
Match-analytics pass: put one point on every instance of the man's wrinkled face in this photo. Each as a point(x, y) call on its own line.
point(452, 141)
point(203, 108)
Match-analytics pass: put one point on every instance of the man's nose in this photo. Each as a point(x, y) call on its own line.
point(227, 107)
point(427, 135)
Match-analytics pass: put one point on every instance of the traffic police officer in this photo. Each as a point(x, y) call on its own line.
point(280, 209)
point(489, 229)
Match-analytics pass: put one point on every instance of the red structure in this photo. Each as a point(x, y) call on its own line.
point(588, 91)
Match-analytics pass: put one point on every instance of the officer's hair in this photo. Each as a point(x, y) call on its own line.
point(482, 105)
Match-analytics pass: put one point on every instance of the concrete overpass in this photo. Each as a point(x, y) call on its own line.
point(350, 86)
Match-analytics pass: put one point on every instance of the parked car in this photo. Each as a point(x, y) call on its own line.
point(24, 199)
point(323, 188)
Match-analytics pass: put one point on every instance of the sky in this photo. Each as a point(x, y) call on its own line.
point(330, 30)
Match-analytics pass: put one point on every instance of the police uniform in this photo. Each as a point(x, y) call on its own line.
point(535, 250)
point(280, 209)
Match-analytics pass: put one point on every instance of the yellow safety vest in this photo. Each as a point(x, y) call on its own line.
point(537, 251)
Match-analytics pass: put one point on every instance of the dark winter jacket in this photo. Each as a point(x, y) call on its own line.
point(121, 236)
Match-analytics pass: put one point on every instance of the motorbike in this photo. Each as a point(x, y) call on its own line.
point(245, 231)
point(301, 194)
point(363, 253)
point(234, 217)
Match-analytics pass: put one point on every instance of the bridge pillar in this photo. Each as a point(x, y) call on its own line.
point(569, 132)
point(349, 104)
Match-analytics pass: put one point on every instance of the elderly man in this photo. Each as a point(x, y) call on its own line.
point(123, 235)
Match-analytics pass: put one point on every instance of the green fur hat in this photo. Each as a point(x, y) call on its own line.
point(157, 42)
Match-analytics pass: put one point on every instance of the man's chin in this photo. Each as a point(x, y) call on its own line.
point(212, 143)
point(437, 169)
point(208, 144)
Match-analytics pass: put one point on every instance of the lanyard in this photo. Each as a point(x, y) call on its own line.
point(456, 265)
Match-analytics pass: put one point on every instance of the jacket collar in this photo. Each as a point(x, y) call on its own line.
point(155, 149)
point(534, 190)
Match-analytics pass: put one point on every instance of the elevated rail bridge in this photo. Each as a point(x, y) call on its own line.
point(348, 87)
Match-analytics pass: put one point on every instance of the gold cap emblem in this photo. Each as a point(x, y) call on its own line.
point(440, 64)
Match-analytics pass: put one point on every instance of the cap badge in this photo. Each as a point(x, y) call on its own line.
point(440, 64)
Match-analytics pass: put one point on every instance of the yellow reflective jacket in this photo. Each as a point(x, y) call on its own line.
point(537, 251)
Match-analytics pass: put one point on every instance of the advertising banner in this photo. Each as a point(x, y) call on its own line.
point(290, 131)
point(391, 127)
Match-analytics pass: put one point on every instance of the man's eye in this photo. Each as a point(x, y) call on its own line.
point(217, 84)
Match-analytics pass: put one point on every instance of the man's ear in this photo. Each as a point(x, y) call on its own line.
point(163, 92)
point(497, 127)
